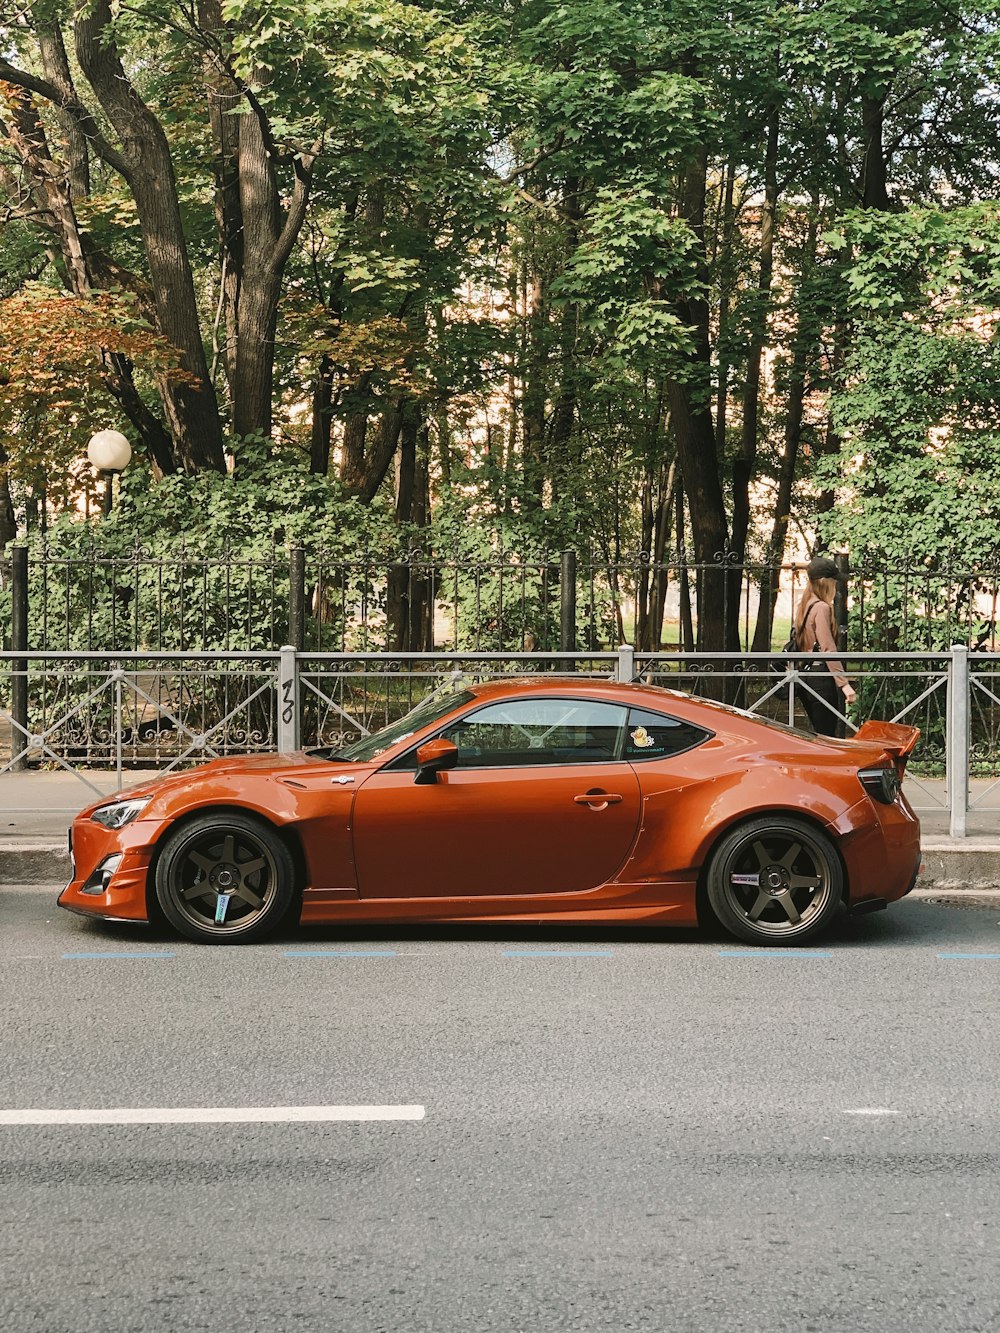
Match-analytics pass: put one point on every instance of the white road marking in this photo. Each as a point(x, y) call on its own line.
point(206, 1115)
point(871, 1110)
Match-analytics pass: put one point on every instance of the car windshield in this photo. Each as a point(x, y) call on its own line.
point(424, 715)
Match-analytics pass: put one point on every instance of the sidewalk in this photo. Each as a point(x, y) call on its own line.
point(36, 808)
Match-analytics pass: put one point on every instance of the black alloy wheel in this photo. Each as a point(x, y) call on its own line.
point(775, 881)
point(225, 879)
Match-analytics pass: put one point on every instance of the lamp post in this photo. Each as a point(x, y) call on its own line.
point(110, 453)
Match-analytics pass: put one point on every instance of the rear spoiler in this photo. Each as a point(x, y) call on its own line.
point(895, 739)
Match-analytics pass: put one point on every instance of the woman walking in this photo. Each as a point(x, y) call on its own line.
point(814, 633)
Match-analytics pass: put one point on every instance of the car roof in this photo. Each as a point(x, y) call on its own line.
point(634, 692)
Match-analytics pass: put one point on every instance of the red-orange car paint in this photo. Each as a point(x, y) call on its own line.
point(529, 843)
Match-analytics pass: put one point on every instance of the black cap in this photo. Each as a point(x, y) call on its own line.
point(822, 567)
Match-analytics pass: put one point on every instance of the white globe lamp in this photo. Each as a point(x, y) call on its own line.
point(111, 453)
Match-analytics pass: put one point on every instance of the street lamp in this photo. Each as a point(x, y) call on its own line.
point(110, 453)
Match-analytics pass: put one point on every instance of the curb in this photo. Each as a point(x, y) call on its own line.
point(955, 864)
point(34, 863)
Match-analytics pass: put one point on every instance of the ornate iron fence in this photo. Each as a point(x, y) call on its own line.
point(95, 712)
point(429, 599)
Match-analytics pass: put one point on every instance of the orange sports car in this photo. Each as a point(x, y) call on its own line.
point(529, 800)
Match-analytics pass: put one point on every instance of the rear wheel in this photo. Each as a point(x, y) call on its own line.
point(775, 881)
point(225, 879)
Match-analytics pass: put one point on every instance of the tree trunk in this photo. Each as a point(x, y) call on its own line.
point(722, 391)
point(687, 623)
point(534, 395)
point(261, 286)
point(50, 187)
point(802, 348)
point(224, 101)
point(691, 418)
point(874, 168)
point(190, 406)
point(744, 466)
point(661, 537)
point(253, 386)
point(352, 459)
point(8, 524)
point(830, 444)
point(55, 63)
point(407, 600)
point(150, 428)
point(381, 456)
point(322, 404)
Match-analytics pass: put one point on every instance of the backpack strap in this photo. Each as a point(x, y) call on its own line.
point(816, 601)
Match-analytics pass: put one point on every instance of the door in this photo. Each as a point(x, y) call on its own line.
point(542, 802)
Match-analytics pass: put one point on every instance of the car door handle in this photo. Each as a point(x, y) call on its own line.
point(599, 800)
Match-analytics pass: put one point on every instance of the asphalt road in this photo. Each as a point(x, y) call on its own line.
point(621, 1131)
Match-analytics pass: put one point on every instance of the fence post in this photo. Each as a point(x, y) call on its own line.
point(118, 675)
point(958, 738)
point(19, 666)
point(297, 597)
point(625, 672)
point(840, 602)
point(288, 699)
point(567, 606)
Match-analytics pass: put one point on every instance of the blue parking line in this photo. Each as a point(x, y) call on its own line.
point(133, 954)
point(557, 953)
point(340, 953)
point(973, 957)
point(774, 953)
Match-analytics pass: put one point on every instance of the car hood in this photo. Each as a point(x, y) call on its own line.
point(276, 766)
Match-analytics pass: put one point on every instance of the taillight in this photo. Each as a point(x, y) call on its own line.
point(883, 784)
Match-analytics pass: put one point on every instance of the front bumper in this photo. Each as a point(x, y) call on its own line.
point(124, 897)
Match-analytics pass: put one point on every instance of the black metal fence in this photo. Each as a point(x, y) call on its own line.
point(427, 600)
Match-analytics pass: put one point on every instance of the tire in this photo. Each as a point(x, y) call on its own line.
point(776, 880)
point(225, 856)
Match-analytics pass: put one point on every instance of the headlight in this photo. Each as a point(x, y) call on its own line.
point(120, 812)
point(884, 784)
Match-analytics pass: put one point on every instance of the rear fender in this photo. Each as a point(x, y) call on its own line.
point(804, 817)
point(681, 825)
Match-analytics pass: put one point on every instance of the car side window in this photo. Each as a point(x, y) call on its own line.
point(656, 736)
point(524, 732)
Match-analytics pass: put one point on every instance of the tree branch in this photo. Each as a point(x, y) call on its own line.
point(83, 117)
point(541, 156)
point(296, 211)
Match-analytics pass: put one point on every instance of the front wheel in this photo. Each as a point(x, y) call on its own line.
point(225, 879)
point(775, 881)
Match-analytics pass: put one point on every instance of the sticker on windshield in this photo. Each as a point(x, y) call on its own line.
point(642, 739)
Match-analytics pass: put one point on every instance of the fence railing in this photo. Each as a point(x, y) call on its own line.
point(429, 600)
point(90, 713)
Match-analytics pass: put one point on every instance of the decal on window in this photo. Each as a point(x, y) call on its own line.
point(642, 739)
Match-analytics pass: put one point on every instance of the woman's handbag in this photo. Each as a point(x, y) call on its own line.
point(792, 646)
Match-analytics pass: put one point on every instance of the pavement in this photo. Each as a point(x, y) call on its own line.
point(36, 809)
point(621, 1131)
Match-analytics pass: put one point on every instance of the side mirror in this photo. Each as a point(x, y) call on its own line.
point(433, 756)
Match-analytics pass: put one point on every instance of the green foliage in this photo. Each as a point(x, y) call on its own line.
point(918, 469)
point(517, 214)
